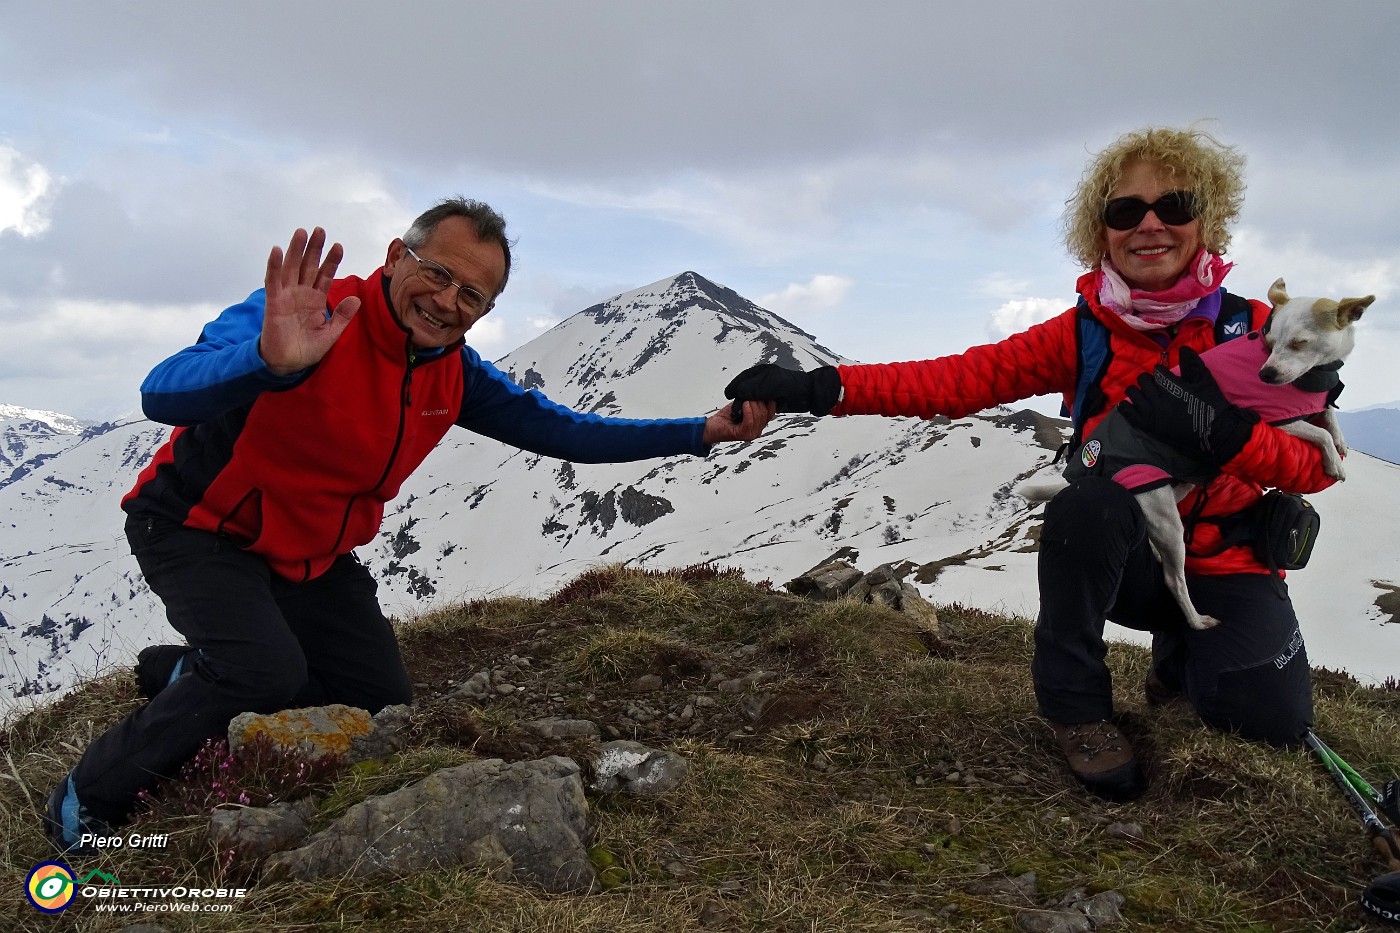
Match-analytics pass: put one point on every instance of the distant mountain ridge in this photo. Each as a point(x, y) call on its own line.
point(482, 519)
point(1375, 431)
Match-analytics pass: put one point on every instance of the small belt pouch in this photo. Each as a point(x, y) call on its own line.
point(1285, 530)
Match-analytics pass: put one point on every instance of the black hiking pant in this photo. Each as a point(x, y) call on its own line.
point(265, 644)
point(1247, 675)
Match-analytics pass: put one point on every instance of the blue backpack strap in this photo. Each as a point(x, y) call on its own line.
point(1094, 354)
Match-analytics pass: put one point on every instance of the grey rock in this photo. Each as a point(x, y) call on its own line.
point(826, 582)
point(1018, 891)
point(1053, 921)
point(917, 915)
point(919, 610)
point(860, 593)
point(648, 682)
point(740, 684)
point(637, 770)
point(475, 687)
point(886, 594)
point(883, 574)
point(326, 730)
point(1103, 909)
point(713, 914)
point(387, 737)
point(529, 818)
point(563, 728)
point(1125, 831)
point(882, 586)
point(752, 706)
point(257, 832)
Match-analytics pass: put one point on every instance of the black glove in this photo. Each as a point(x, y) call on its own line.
point(815, 392)
point(1189, 411)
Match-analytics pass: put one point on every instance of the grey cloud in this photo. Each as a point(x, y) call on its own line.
point(172, 232)
point(605, 89)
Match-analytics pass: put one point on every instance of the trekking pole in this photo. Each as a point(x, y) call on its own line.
point(1385, 801)
point(1381, 836)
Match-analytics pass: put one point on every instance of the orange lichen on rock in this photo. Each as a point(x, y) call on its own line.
point(315, 732)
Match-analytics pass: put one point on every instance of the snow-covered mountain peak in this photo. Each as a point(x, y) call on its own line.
point(665, 349)
point(14, 415)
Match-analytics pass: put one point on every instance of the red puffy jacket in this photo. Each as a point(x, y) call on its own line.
point(1042, 360)
point(301, 476)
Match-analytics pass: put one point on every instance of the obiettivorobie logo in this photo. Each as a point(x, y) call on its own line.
point(51, 887)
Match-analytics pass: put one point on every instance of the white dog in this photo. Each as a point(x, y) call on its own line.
point(1302, 345)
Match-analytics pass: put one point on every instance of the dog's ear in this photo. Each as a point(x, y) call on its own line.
point(1278, 293)
point(1349, 310)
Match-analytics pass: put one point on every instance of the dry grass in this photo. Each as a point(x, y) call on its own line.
point(868, 785)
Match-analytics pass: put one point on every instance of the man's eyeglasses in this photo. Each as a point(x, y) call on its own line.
point(1174, 209)
point(469, 299)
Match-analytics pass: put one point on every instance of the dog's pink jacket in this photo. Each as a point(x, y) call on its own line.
point(1235, 367)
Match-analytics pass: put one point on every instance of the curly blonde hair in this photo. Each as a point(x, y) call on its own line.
point(1192, 159)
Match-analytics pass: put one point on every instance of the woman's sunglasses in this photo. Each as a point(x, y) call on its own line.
point(1173, 208)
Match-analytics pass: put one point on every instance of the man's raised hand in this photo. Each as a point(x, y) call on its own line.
point(298, 327)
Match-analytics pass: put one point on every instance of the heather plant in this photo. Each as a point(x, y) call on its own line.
point(257, 774)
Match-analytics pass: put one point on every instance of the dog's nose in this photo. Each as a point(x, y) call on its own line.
point(1270, 375)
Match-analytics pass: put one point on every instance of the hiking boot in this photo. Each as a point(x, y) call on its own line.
point(158, 666)
point(1157, 691)
point(66, 820)
point(1101, 758)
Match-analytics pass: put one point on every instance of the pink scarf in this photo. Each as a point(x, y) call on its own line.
point(1142, 310)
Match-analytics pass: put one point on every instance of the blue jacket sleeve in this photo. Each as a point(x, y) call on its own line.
point(495, 406)
point(220, 372)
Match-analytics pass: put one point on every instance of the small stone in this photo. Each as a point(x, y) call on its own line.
point(1124, 831)
point(648, 682)
point(705, 702)
point(476, 687)
point(505, 690)
point(1103, 909)
point(751, 707)
point(712, 914)
point(916, 914)
point(1052, 921)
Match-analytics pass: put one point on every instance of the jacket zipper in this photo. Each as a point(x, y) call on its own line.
point(405, 403)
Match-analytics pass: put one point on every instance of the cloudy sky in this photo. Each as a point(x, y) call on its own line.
point(889, 176)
